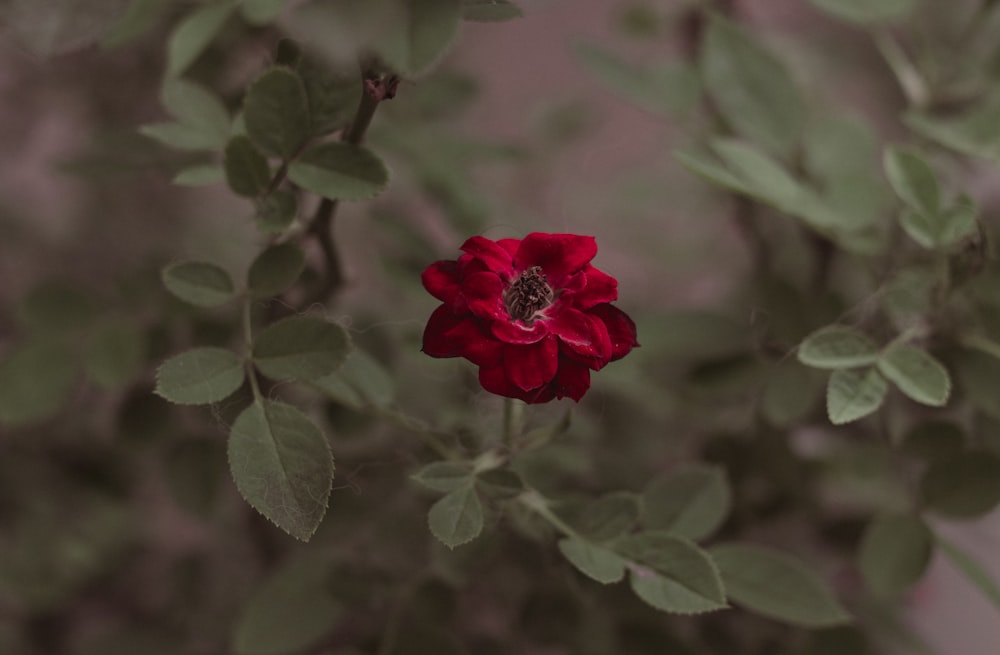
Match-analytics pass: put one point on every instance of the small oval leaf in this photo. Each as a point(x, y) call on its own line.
point(913, 180)
point(965, 485)
point(274, 270)
point(200, 376)
point(837, 347)
point(247, 172)
point(300, 348)
point(851, 395)
point(339, 171)
point(276, 112)
point(895, 552)
point(595, 562)
point(673, 574)
point(917, 374)
point(193, 35)
point(198, 283)
point(444, 476)
point(458, 517)
point(690, 502)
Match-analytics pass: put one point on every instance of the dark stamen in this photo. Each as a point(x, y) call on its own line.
point(528, 294)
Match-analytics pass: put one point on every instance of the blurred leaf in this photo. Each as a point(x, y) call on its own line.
point(917, 374)
point(854, 394)
point(289, 611)
point(194, 473)
point(895, 552)
point(57, 306)
point(752, 89)
point(913, 180)
point(776, 585)
point(282, 466)
point(933, 439)
point(261, 12)
point(199, 175)
point(417, 33)
point(246, 170)
point(339, 171)
point(500, 483)
point(36, 380)
point(198, 109)
point(276, 211)
point(691, 501)
point(975, 132)
point(540, 436)
point(360, 383)
point(275, 269)
point(198, 283)
point(276, 112)
point(841, 154)
point(763, 176)
point(907, 297)
point(943, 229)
point(138, 19)
point(200, 376)
point(458, 517)
point(117, 353)
point(837, 347)
point(595, 562)
point(979, 374)
point(667, 89)
point(333, 96)
point(866, 11)
point(181, 137)
point(972, 569)
point(444, 476)
point(604, 518)
point(194, 33)
point(490, 10)
point(673, 575)
point(300, 348)
point(791, 392)
point(966, 485)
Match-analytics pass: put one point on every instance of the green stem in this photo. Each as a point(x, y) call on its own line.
point(248, 350)
point(910, 80)
point(513, 413)
point(537, 503)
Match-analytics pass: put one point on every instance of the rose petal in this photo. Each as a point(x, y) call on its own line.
point(441, 281)
point(451, 335)
point(494, 379)
point(621, 329)
point(572, 380)
point(496, 258)
point(518, 331)
point(483, 293)
point(529, 366)
point(600, 288)
point(583, 334)
point(510, 245)
point(557, 254)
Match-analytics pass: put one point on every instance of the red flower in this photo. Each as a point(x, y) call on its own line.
point(532, 313)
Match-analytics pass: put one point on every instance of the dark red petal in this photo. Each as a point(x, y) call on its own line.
point(529, 366)
point(600, 288)
point(496, 258)
point(582, 333)
point(572, 380)
point(557, 254)
point(518, 331)
point(451, 335)
point(510, 245)
point(483, 293)
point(621, 329)
point(494, 379)
point(441, 280)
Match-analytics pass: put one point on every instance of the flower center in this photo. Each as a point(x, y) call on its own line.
point(528, 294)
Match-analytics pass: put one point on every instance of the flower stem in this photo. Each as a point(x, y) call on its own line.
point(248, 344)
point(513, 413)
point(537, 503)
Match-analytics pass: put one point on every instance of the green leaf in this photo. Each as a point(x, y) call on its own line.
point(895, 552)
point(913, 180)
point(282, 466)
point(300, 348)
point(500, 483)
point(941, 230)
point(972, 569)
point(791, 392)
point(36, 380)
point(138, 19)
point(673, 574)
point(193, 35)
point(333, 96)
point(933, 439)
point(117, 352)
point(275, 269)
point(866, 11)
point(198, 283)
point(181, 137)
point(199, 175)
point(290, 611)
point(604, 518)
point(595, 562)
point(261, 12)
point(56, 306)
point(417, 33)
point(540, 436)
point(966, 485)
point(752, 89)
point(276, 112)
point(917, 374)
point(276, 211)
point(197, 108)
point(837, 347)
point(974, 132)
point(247, 172)
point(777, 586)
point(458, 517)
point(490, 11)
point(339, 171)
point(360, 383)
point(444, 476)
point(200, 376)
point(851, 395)
point(691, 501)
point(979, 374)
point(666, 90)
point(763, 176)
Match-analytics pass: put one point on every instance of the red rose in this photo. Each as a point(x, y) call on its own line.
point(532, 313)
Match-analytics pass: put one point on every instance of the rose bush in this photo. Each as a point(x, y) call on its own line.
point(532, 313)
